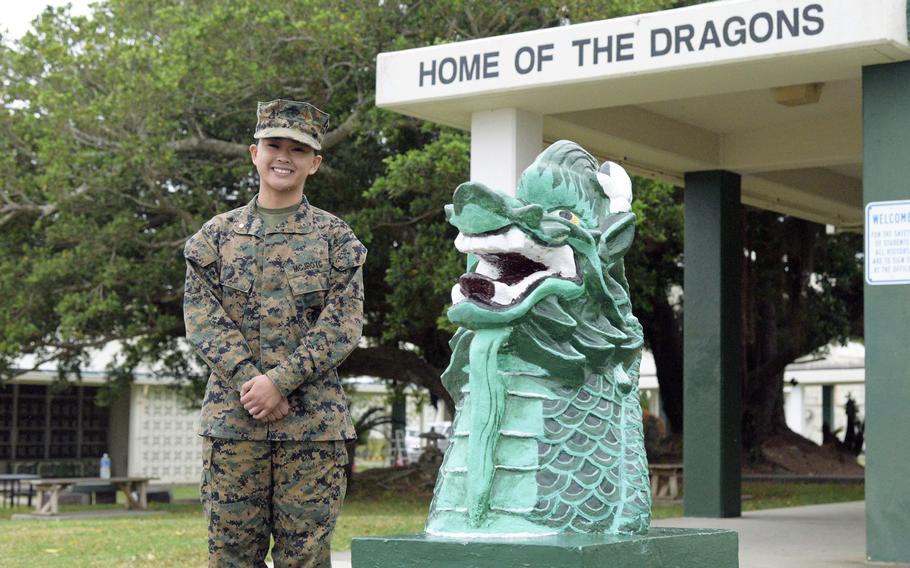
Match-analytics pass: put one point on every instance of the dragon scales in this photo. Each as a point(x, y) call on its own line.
point(548, 428)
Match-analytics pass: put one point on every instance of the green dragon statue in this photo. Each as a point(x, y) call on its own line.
point(544, 370)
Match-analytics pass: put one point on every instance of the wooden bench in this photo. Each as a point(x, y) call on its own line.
point(92, 493)
point(666, 480)
point(49, 504)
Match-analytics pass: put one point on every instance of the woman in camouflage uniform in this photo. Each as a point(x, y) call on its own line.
point(274, 303)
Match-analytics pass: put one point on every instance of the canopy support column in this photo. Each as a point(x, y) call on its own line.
point(503, 143)
point(711, 345)
point(886, 177)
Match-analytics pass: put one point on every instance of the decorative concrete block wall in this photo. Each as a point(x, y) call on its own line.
point(163, 438)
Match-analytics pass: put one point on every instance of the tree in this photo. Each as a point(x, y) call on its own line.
point(802, 289)
point(654, 266)
point(124, 131)
point(372, 417)
point(407, 221)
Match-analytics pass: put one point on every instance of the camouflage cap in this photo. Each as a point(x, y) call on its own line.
point(296, 120)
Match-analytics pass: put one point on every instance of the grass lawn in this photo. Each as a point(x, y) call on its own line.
point(178, 539)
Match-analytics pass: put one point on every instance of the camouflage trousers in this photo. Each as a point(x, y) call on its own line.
point(289, 490)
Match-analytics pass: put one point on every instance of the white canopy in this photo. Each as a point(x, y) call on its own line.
point(769, 89)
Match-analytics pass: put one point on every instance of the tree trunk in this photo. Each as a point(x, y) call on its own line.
point(763, 410)
point(664, 334)
point(398, 365)
point(774, 323)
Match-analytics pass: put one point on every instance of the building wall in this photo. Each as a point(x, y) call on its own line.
point(163, 440)
point(813, 413)
point(52, 431)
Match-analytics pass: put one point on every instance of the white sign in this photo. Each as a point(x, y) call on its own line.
point(704, 35)
point(888, 242)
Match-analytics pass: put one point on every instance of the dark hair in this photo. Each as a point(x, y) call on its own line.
point(315, 151)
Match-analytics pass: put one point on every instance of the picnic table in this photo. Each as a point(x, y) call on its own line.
point(48, 505)
point(11, 486)
point(666, 479)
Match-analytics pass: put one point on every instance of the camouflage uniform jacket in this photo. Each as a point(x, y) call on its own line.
point(288, 303)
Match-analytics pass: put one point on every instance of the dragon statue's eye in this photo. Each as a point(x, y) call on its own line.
point(569, 216)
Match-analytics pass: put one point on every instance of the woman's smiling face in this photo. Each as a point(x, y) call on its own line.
point(283, 164)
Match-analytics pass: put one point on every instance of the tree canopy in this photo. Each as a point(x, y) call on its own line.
point(123, 131)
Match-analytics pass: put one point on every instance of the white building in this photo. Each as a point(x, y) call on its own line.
point(150, 430)
point(816, 389)
point(147, 430)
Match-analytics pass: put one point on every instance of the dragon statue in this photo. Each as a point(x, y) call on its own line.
point(544, 371)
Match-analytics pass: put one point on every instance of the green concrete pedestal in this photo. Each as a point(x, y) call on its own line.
point(660, 548)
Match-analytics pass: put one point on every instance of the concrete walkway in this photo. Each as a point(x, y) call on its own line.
point(820, 536)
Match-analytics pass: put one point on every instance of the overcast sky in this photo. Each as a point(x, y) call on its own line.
point(16, 15)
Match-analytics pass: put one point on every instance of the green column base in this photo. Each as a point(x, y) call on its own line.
point(659, 548)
